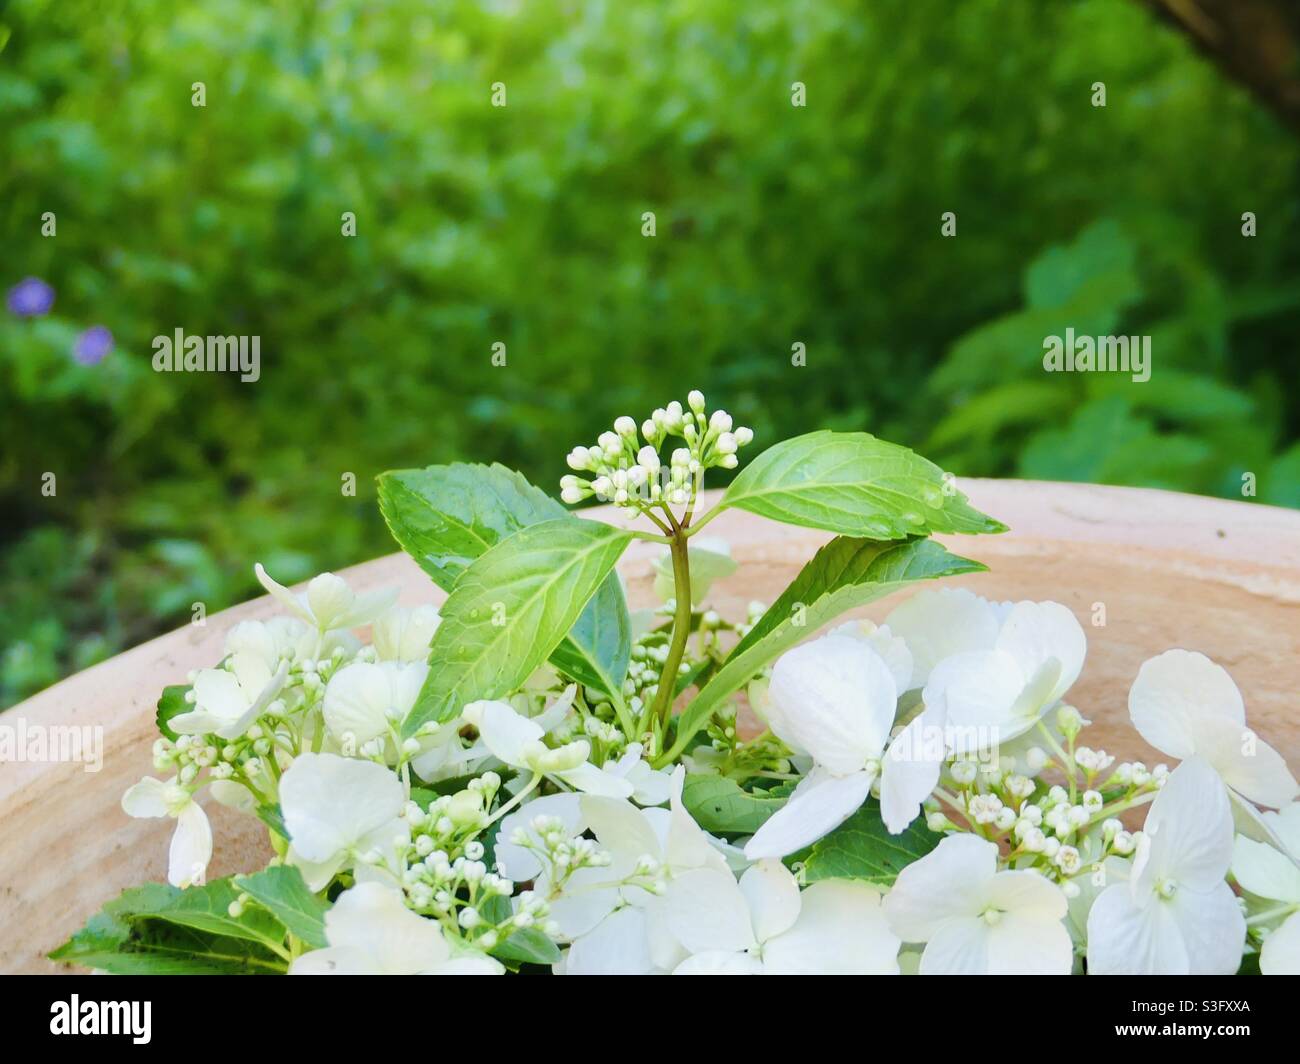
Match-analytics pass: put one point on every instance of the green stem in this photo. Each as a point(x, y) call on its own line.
point(663, 704)
point(704, 520)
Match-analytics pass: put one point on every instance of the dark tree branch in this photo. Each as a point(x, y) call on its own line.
point(1256, 42)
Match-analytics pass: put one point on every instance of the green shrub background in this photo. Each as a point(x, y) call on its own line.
point(523, 225)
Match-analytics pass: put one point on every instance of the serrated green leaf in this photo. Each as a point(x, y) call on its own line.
point(844, 574)
point(446, 517)
point(856, 485)
point(510, 609)
point(171, 704)
point(150, 930)
point(281, 890)
point(721, 806)
point(861, 848)
point(273, 818)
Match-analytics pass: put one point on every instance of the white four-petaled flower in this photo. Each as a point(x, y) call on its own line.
point(975, 920)
point(1175, 915)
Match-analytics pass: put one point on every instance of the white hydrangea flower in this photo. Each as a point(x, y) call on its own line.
point(1269, 873)
point(227, 701)
point(763, 925)
point(975, 920)
point(405, 634)
point(834, 699)
point(336, 810)
point(365, 700)
point(329, 602)
point(629, 931)
point(991, 695)
point(371, 932)
point(1175, 915)
point(1186, 706)
point(516, 740)
point(191, 847)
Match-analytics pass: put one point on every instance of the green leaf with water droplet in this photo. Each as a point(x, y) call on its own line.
point(855, 485)
point(509, 611)
point(844, 574)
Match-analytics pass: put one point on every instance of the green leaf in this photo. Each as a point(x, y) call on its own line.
point(446, 517)
point(510, 609)
point(527, 946)
point(861, 848)
point(281, 889)
point(844, 574)
point(721, 806)
point(146, 930)
point(856, 485)
point(171, 704)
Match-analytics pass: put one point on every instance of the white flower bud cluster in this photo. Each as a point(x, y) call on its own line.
point(628, 473)
point(560, 852)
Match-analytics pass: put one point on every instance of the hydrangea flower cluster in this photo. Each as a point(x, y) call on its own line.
point(456, 795)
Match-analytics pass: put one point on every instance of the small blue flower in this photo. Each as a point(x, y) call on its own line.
point(92, 345)
point(30, 298)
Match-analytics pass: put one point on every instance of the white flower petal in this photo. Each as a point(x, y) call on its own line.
point(405, 634)
point(286, 597)
point(1174, 693)
point(591, 780)
point(233, 795)
point(1264, 871)
point(720, 963)
point(835, 699)
point(841, 930)
point(372, 919)
point(335, 961)
point(1036, 633)
point(148, 798)
point(1021, 944)
point(622, 829)
point(910, 772)
point(892, 648)
point(1189, 829)
point(958, 947)
point(707, 911)
point(686, 845)
point(1281, 952)
point(977, 693)
point(505, 733)
point(331, 803)
point(1127, 939)
point(191, 848)
point(619, 945)
point(949, 882)
point(1027, 894)
point(1212, 926)
point(357, 701)
point(820, 803)
point(1246, 763)
point(772, 894)
point(937, 624)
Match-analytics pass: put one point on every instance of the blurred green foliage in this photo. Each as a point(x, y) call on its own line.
point(522, 224)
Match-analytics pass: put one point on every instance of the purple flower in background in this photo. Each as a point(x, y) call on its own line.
point(92, 345)
point(31, 297)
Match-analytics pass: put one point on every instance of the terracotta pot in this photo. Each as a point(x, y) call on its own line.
point(1170, 571)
